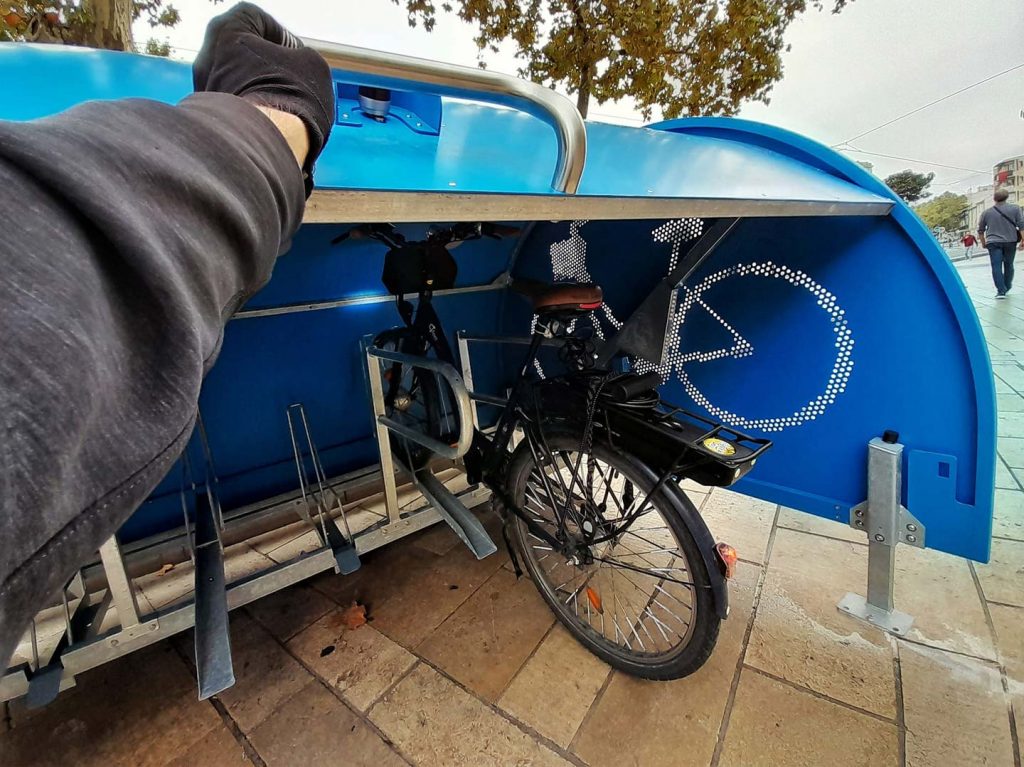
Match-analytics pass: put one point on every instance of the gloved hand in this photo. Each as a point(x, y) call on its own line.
point(248, 54)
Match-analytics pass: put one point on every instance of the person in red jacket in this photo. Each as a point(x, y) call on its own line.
point(969, 242)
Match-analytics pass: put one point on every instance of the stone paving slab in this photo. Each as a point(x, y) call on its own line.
point(556, 687)
point(1002, 579)
point(139, 711)
point(744, 523)
point(314, 729)
point(663, 723)
point(487, 640)
point(1008, 520)
point(360, 663)
point(800, 636)
point(1009, 630)
point(939, 591)
point(806, 523)
point(435, 722)
point(265, 675)
point(955, 709)
point(773, 723)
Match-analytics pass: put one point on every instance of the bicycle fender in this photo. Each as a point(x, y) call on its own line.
point(702, 535)
point(706, 544)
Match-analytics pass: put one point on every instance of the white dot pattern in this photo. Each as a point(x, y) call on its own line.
point(569, 262)
point(841, 368)
point(677, 231)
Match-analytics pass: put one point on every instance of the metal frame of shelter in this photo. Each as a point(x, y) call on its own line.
point(98, 615)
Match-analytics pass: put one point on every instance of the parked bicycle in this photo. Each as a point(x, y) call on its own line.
point(590, 496)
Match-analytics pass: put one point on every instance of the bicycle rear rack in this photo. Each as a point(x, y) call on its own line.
point(465, 525)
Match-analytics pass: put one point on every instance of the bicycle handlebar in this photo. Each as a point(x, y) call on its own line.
point(390, 236)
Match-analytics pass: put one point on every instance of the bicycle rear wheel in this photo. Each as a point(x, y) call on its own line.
point(641, 600)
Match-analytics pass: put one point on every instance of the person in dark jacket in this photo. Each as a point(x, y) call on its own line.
point(141, 227)
point(999, 230)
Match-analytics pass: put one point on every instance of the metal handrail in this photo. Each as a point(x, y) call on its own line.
point(398, 72)
point(462, 405)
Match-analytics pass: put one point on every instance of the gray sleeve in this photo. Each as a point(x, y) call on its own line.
point(133, 230)
point(1019, 218)
point(982, 225)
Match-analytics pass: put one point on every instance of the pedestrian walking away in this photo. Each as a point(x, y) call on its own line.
point(969, 242)
point(999, 230)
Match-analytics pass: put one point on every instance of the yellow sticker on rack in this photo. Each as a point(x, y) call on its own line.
point(720, 446)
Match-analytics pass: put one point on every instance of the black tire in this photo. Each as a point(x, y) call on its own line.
point(638, 654)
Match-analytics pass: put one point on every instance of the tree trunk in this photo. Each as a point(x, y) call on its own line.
point(112, 25)
point(583, 94)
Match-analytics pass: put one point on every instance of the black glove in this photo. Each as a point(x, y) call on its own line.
point(247, 53)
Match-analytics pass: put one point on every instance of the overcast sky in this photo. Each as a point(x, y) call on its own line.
point(845, 74)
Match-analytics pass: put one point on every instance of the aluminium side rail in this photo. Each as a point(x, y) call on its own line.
point(398, 72)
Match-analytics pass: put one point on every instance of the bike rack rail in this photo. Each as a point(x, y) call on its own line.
point(90, 625)
point(454, 380)
point(397, 72)
point(466, 526)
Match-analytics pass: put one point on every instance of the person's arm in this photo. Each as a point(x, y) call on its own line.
point(981, 228)
point(292, 130)
point(134, 230)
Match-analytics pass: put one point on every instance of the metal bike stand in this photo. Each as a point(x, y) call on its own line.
point(111, 619)
point(451, 509)
point(887, 522)
point(214, 669)
point(342, 545)
point(119, 584)
point(44, 682)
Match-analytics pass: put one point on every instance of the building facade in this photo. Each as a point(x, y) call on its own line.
point(1007, 174)
point(977, 200)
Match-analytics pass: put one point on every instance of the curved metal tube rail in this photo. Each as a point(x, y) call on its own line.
point(398, 72)
point(462, 403)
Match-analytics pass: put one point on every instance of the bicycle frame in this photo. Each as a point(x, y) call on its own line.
point(657, 437)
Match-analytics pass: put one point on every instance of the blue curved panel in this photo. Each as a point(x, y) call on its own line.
point(477, 147)
point(950, 473)
point(817, 332)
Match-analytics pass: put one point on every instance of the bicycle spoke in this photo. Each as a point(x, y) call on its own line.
point(641, 553)
point(658, 624)
point(673, 597)
point(658, 571)
point(645, 540)
point(632, 627)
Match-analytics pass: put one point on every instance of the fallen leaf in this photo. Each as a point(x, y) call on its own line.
point(165, 569)
point(353, 616)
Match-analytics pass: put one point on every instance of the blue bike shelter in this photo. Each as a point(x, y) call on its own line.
point(825, 316)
